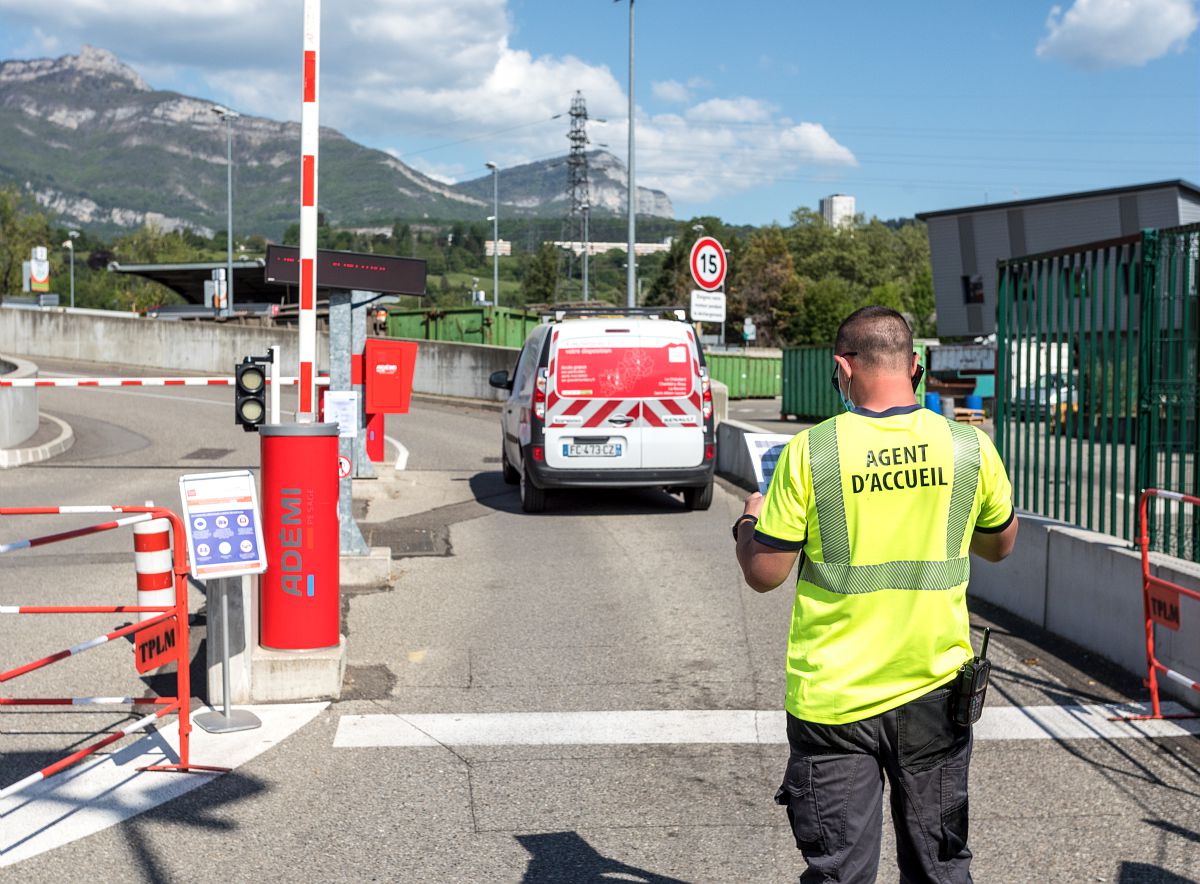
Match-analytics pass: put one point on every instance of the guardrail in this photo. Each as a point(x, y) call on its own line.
point(1160, 603)
point(161, 639)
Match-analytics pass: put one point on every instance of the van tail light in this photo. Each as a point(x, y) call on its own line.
point(539, 395)
point(706, 387)
point(710, 451)
point(539, 453)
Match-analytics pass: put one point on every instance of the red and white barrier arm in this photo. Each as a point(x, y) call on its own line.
point(78, 532)
point(83, 609)
point(82, 646)
point(140, 382)
point(86, 701)
point(140, 724)
point(30, 542)
point(1178, 677)
point(309, 143)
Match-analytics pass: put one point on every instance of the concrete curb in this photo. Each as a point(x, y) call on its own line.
point(15, 457)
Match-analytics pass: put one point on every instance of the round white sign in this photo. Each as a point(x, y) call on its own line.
point(708, 263)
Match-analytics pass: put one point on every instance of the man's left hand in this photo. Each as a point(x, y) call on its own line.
point(754, 505)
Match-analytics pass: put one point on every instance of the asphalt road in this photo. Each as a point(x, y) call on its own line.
point(609, 601)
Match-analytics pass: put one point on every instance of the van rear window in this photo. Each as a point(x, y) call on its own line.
point(624, 372)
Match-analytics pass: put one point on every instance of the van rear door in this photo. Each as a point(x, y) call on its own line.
point(592, 410)
point(671, 415)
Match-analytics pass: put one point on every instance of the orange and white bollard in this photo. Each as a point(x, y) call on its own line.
point(154, 567)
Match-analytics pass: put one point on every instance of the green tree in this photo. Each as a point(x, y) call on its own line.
point(540, 275)
point(20, 231)
point(765, 285)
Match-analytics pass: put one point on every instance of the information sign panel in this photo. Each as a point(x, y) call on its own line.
point(341, 408)
point(707, 306)
point(223, 524)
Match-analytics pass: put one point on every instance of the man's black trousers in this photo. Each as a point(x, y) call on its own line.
point(833, 792)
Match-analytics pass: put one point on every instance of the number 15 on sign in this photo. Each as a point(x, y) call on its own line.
point(708, 263)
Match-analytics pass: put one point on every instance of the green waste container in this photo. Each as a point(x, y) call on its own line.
point(747, 375)
point(807, 392)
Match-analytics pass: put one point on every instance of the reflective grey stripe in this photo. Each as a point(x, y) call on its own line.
point(836, 574)
point(827, 490)
point(966, 482)
point(857, 579)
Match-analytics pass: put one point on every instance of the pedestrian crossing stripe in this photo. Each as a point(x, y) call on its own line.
point(676, 727)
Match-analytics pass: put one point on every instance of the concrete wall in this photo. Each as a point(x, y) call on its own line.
point(18, 407)
point(1081, 585)
point(1087, 587)
point(447, 368)
point(150, 343)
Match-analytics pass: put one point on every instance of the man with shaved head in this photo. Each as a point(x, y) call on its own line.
point(882, 505)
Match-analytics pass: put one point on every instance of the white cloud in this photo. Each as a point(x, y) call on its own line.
point(670, 90)
point(1097, 34)
point(411, 75)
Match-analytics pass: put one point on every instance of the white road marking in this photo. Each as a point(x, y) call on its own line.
point(718, 726)
point(107, 789)
point(401, 453)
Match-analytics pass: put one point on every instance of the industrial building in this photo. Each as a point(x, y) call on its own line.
point(966, 243)
point(838, 210)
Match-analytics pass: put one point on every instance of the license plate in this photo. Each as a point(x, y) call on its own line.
point(592, 450)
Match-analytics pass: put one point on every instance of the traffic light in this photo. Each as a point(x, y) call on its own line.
point(250, 394)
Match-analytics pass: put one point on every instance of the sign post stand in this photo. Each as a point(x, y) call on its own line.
point(225, 541)
point(230, 720)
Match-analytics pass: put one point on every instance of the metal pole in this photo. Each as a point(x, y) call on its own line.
point(273, 416)
point(232, 719)
point(72, 273)
point(631, 266)
point(495, 236)
point(586, 249)
point(229, 214)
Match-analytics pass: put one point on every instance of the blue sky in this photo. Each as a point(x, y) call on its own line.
point(744, 111)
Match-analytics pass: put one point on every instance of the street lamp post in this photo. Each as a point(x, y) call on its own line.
point(587, 248)
point(72, 235)
point(495, 233)
point(228, 116)
point(631, 265)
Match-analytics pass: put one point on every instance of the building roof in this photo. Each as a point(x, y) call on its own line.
point(188, 279)
point(1064, 197)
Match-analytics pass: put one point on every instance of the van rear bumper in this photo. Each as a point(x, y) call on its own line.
point(688, 477)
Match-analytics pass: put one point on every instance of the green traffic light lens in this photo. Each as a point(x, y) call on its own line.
point(252, 380)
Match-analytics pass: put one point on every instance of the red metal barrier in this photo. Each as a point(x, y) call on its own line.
point(159, 640)
point(1160, 604)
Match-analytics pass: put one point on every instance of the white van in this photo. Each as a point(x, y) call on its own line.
point(609, 398)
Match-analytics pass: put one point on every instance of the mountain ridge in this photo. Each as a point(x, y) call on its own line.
point(88, 139)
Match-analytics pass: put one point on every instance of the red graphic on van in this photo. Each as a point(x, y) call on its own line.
point(624, 372)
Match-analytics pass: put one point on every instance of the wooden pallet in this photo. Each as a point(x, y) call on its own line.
point(968, 415)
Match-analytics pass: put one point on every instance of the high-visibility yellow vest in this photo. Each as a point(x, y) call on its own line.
point(884, 506)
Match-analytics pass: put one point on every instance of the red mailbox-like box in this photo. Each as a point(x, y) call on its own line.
point(388, 375)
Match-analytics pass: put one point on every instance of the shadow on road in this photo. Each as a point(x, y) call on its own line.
point(561, 857)
point(491, 491)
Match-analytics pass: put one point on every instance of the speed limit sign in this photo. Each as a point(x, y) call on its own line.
point(708, 263)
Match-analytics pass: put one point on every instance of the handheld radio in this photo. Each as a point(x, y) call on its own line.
point(970, 687)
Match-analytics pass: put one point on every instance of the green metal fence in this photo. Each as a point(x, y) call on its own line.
point(498, 326)
point(1097, 382)
point(746, 374)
